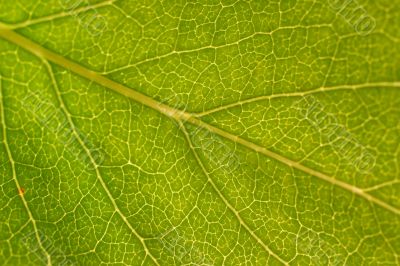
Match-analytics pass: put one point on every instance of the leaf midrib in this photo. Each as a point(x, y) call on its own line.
point(175, 114)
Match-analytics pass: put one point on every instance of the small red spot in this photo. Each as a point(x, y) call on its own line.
point(21, 191)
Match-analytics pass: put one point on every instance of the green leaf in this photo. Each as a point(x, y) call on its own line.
point(199, 133)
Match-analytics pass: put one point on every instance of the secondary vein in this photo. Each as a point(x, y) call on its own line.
point(14, 174)
point(93, 162)
point(226, 202)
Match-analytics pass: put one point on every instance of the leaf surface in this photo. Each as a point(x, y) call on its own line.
point(199, 133)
